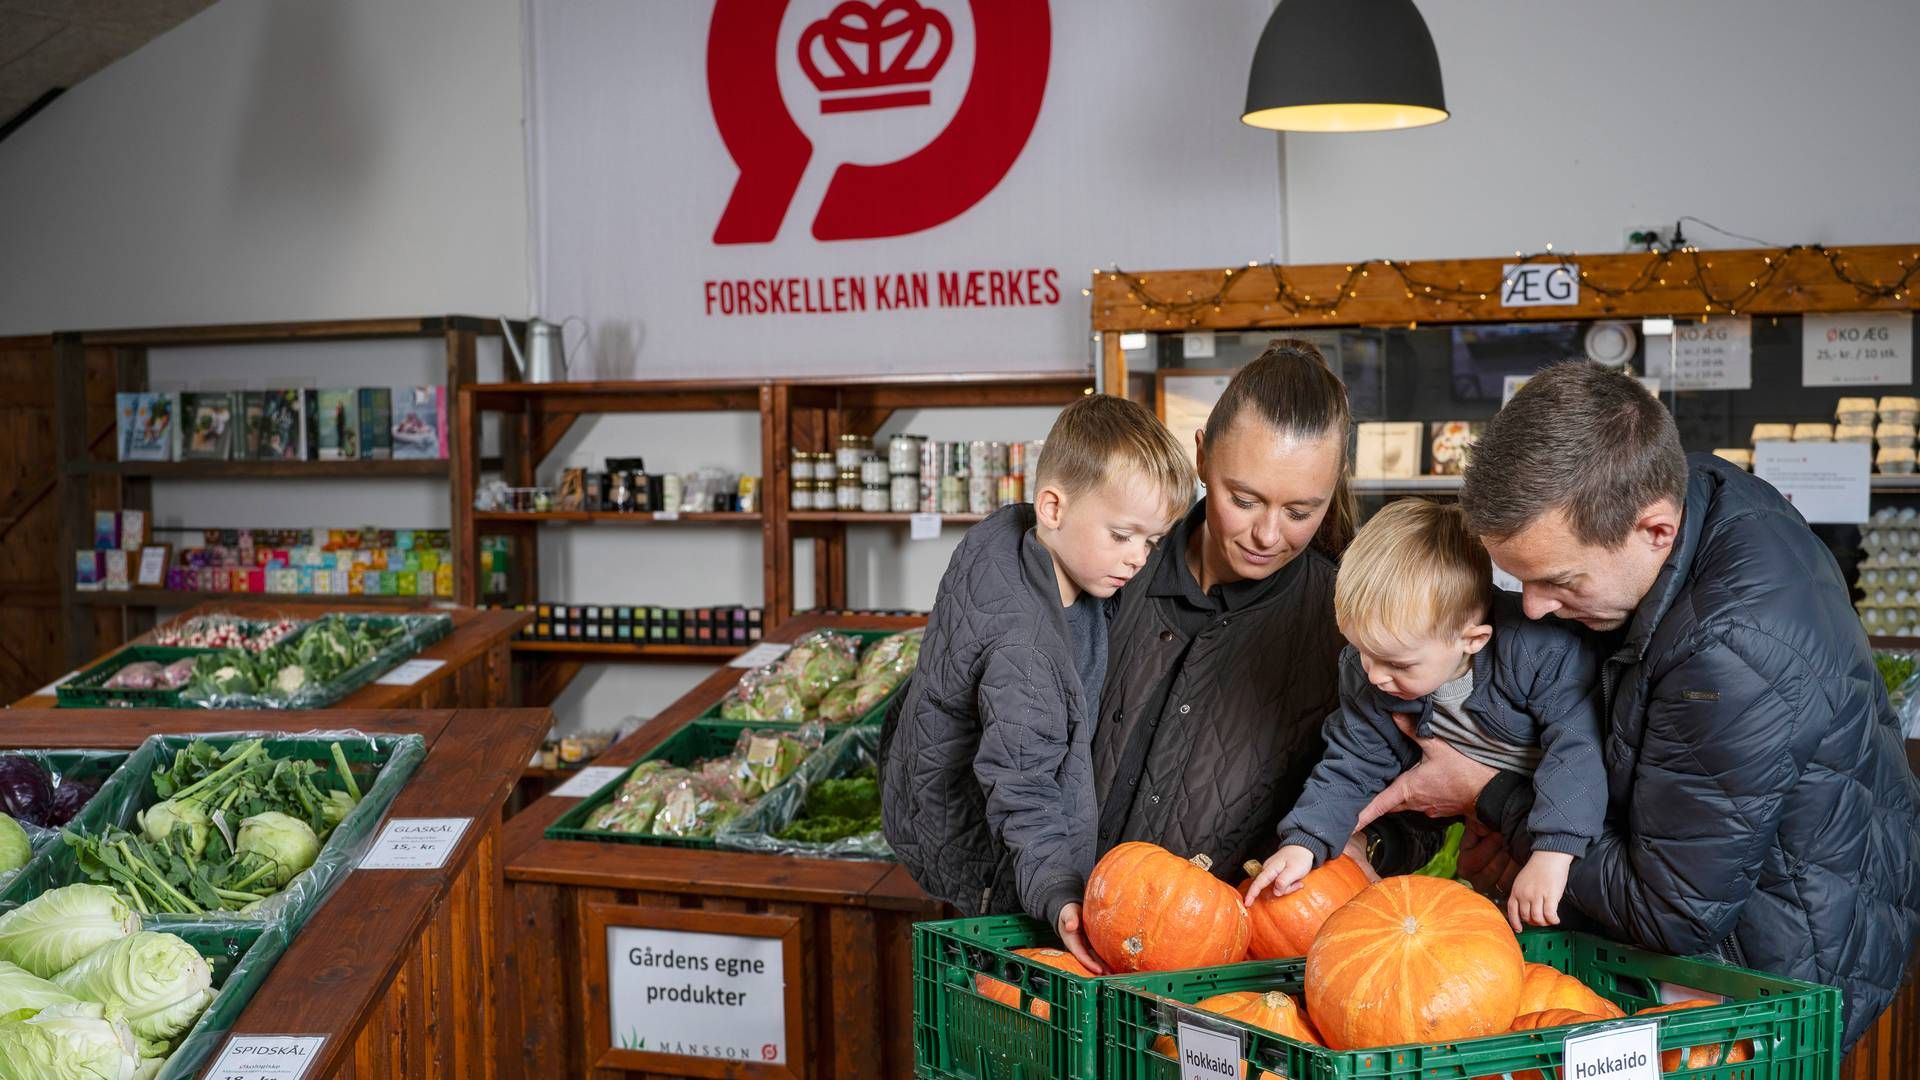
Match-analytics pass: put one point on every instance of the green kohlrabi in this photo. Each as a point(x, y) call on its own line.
point(158, 982)
point(51, 932)
point(67, 1042)
point(285, 842)
point(160, 819)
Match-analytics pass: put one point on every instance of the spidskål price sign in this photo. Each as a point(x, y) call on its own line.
point(266, 1057)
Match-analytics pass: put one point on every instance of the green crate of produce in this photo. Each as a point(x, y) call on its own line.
point(87, 690)
point(1792, 1027)
point(380, 765)
point(241, 957)
point(318, 650)
point(960, 1033)
point(699, 740)
point(853, 829)
point(65, 782)
point(870, 715)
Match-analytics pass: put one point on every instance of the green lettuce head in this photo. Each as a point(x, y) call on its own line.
point(53, 931)
point(158, 982)
point(67, 1042)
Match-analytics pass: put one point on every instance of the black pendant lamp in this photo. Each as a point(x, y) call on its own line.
point(1344, 65)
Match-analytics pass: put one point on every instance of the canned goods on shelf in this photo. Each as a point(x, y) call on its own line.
point(980, 494)
point(1011, 490)
point(903, 454)
point(875, 498)
point(874, 471)
point(953, 495)
point(904, 498)
point(852, 451)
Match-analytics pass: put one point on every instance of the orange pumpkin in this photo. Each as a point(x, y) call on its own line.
point(1283, 926)
point(1547, 1018)
point(1705, 1056)
point(1413, 960)
point(1147, 909)
point(1547, 988)
point(1268, 1010)
point(1009, 995)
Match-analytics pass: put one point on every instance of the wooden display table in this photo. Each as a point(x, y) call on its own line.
point(477, 671)
point(849, 967)
point(399, 968)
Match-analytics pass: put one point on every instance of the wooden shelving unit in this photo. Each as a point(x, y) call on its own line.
point(180, 598)
point(808, 413)
point(89, 478)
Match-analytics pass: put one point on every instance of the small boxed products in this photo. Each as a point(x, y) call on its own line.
point(1813, 432)
point(1772, 432)
point(1899, 410)
point(1894, 459)
point(1854, 410)
point(1853, 433)
point(1387, 450)
point(1895, 435)
point(1742, 458)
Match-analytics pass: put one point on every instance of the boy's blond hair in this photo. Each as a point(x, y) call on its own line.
point(1100, 437)
point(1413, 573)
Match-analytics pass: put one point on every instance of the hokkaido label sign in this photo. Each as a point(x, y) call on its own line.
point(1622, 1053)
point(1206, 1054)
point(697, 995)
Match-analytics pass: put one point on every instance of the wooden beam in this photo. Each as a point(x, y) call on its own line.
point(547, 431)
point(1113, 364)
point(70, 433)
point(1388, 292)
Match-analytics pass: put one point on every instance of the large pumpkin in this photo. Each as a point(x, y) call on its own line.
point(1413, 960)
point(1547, 1018)
point(1547, 988)
point(1147, 909)
point(1009, 995)
point(1704, 1056)
point(1284, 926)
point(1268, 1010)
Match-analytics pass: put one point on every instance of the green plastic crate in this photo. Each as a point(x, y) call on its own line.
point(1794, 1026)
point(960, 1034)
point(381, 766)
point(241, 957)
point(697, 741)
point(85, 690)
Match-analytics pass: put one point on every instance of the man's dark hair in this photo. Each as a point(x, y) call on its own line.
point(1589, 441)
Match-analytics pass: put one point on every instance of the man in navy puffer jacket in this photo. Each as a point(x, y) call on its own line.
point(1761, 807)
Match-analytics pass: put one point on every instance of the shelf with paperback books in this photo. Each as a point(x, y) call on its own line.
point(285, 428)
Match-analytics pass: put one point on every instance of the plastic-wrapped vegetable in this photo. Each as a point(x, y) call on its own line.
point(871, 694)
point(15, 848)
point(139, 675)
point(820, 661)
point(894, 653)
point(695, 807)
point(767, 699)
point(633, 807)
point(763, 759)
point(838, 706)
point(26, 792)
point(69, 799)
point(178, 673)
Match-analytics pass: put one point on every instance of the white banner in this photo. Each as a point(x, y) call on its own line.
point(752, 187)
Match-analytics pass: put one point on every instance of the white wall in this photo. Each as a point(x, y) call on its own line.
point(277, 160)
point(1784, 121)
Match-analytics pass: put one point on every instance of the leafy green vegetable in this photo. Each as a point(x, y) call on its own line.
point(818, 662)
point(67, 1042)
point(1446, 862)
point(288, 843)
point(837, 809)
point(15, 848)
point(51, 932)
point(1895, 669)
point(895, 654)
point(158, 982)
point(21, 989)
point(159, 821)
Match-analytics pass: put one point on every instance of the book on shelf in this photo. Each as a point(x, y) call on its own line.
point(145, 426)
point(281, 431)
point(376, 422)
point(87, 570)
point(420, 422)
point(206, 425)
point(333, 424)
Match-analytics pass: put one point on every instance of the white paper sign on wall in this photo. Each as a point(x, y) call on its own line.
point(1539, 285)
point(1866, 348)
point(697, 995)
point(1829, 483)
point(1712, 355)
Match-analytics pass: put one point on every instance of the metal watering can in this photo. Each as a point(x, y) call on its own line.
point(545, 358)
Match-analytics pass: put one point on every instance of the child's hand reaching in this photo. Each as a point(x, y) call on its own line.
point(1283, 871)
point(1536, 894)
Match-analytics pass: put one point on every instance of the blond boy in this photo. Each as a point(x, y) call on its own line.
point(986, 777)
point(1435, 650)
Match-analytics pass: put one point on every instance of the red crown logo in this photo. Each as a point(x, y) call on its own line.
point(875, 47)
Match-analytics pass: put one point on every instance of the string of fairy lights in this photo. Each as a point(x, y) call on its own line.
point(1716, 299)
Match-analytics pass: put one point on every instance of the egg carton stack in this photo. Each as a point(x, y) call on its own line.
point(1890, 574)
point(1854, 421)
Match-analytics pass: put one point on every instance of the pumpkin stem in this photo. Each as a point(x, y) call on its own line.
point(1133, 945)
point(1273, 999)
point(1204, 862)
point(1252, 867)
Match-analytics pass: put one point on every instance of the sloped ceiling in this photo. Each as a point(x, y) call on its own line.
point(50, 45)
